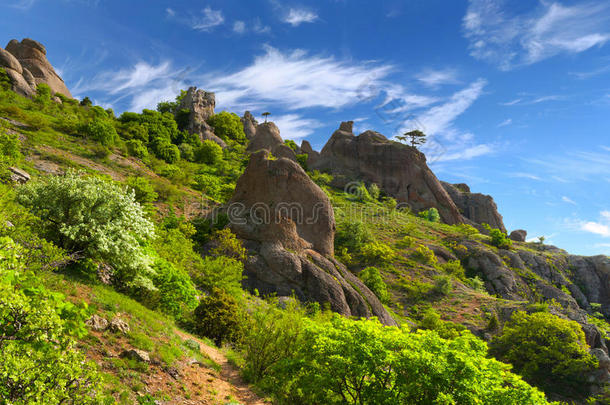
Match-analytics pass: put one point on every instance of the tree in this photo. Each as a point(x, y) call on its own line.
point(373, 280)
point(546, 350)
point(266, 114)
point(218, 317)
point(415, 137)
point(93, 218)
point(228, 126)
point(209, 153)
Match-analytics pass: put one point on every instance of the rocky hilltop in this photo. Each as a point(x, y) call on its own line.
point(27, 65)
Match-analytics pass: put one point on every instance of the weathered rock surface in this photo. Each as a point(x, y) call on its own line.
point(518, 235)
point(136, 354)
point(97, 323)
point(312, 155)
point(119, 325)
point(268, 137)
point(201, 105)
point(250, 124)
point(479, 208)
point(19, 176)
point(288, 224)
point(400, 170)
point(35, 67)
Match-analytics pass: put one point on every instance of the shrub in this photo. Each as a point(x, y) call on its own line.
point(136, 148)
point(291, 144)
point(168, 152)
point(498, 238)
point(546, 350)
point(9, 148)
point(183, 117)
point(187, 152)
point(426, 255)
point(209, 153)
point(5, 80)
point(442, 285)
point(86, 102)
point(228, 126)
point(390, 202)
point(222, 272)
point(95, 218)
point(373, 280)
point(40, 361)
point(174, 291)
point(343, 361)
point(374, 191)
point(454, 267)
point(377, 252)
point(43, 93)
point(431, 215)
point(209, 184)
point(102, 131)
point(218, 317)
point(227, 244)
point(302, 160)
point(352, 235)
point(405, 242)
point(144, 192)
point(321, 179)
point(467, 230)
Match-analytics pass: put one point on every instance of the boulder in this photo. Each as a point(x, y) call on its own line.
point(479, 208)
point(201, 105)
point(119, 325)
point(249, 124)
point(399, 170)
point(19, 176)
point(97, 323)
point(268, 137)
point(518, 235)
point(8, 61)
point(19, 85)
point(32, 56)
point(136, 354)
point(288, 225)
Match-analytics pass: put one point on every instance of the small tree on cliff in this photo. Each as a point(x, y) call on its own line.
point(266, 114)
point(415, 138)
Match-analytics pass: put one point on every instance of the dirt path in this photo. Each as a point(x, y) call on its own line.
point(229, 382)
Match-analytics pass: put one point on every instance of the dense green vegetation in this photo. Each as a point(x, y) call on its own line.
point(166, 266)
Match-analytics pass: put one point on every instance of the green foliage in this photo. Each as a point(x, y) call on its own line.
point(86, 102)
point(373, 280)
point(187, 152)
point(227, 244)
point(183, 117)
point(376, 252)
point(352, 235)
point(442, 285)
point(168, 152)
point(174, 291)
point(425, 255)
point(302, 160)
point(498, 238)
point(137, 149)
point(321, 179)
point(228, 126)
point(102, 131)
point(362, 362)
point(431, 215)
point(222, 272)
point(43, 93)
point(9, 148)
point(95, 218)
point(5, 80)
point(466, 230)
point(209, 153)
point(546, 350)
point(291, 144)
point(218, 317)
point(374, 191)
point(40, 361)
point(144, 192)
point(454, 268)
point(476, 284)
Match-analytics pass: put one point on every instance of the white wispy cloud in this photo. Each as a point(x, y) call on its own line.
point(298, 16)
point(568, 200)
point(500, 36)
point(205, 21)
point(435, 78)
point(596, 228)
point(170, 12)
point(581, 166)
point(506, 122)
point(530, 100)
point(524, 175)
point(294, 126)
point(239, 27)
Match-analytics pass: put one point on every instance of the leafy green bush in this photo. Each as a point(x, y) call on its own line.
point(321, 179)
point(187, 152)
point(442, 285)
point(43, 93)
point(374, 191)
point(168, 152)
point(498, 238)
point(5, 80)
point(431, 215)
point(373, 280)
point(425, 255)
point(362, 362)
point(352, 235)
point(209, 153)
point(144, 192)
point(136, 148)
point(227, 244)
point(222, 272)
point(454, 267)
point(94, 218)
point(302, 160)
point(102, 131)
point(228, 126)
point(9, 148)
point(174, 291)
point(467, 230)
point(476, 283)
point(546, 350)
point(291, 144)
point(218, 317)
point(377, 252)
point(40, 362)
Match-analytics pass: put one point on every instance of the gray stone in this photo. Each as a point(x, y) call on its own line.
point(19, 176)
point(136, 354)
point(479, 208)
point(97, 323)
point(518, 235)
point(119, 325)
point(249, 124)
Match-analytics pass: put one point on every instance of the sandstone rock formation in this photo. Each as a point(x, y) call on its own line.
point(201, 105)
point(479, 208)
point(249, 124)
point(33, 68)
point(518, 235)
point(288, 224)
point(400, 170)
point(268, 137)
point(312, 155)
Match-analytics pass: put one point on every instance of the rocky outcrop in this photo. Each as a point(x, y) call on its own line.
point(312, 155)
point(18, 176)
point(479, 208)
point(34, 68)
point(201, 105)
point(249, 124)
point(399, 170)
point(518, 235)
point(268, 137)
point(288, 225)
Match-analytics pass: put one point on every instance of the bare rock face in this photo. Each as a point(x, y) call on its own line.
point(288, 224)
point(249, 124)
point(32, 56)
point(518, 235)
point(97, 323)
point(479, 208)
point(312, 155)
point(268, 137)
point(19, 176)
point(14, 70)
point(400, 170)
point(201, 105)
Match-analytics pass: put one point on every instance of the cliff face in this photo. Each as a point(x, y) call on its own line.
point(399, 170)
point(27, 65)
point(476, 207)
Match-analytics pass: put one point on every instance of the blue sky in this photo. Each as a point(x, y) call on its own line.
point(515, 95)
